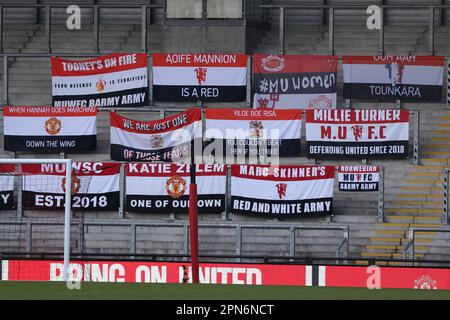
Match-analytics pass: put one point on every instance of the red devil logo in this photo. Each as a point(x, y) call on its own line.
point(281, 189)
point(201, 74)
point(263, 103)
point(357, 132)
point(395, 70)
point(274, 97)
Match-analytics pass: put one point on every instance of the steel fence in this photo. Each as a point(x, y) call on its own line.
point(342, 249)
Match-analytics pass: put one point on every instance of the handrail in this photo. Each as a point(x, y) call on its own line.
point(445, 203)
point(350, 6)
point(93, 55)
point(268, 6)
point(279, 225)
point(154, 256)
point(81, 5)
point(338, 250)
point(411, 239)
point(331, 22)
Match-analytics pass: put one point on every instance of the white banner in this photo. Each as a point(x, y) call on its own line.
point(169, 191)
point(95, 186)
point(282, 191)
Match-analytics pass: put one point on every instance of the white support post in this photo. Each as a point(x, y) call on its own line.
point(150, 79)
point(225, 214)
point(67, 212)
point(416, 142)
point(381, 195)
point(67, 204)
point(122, 191)
point(446, 193)
point(448, 84)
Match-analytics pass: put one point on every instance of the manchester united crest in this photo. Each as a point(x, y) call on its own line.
point(425, 282)
point(176, 186)
point(75, 185)
point(157, 141)
point(256, 129)
point(273, 63)
point(320, 102)
point(100, 85)
point(53, 126)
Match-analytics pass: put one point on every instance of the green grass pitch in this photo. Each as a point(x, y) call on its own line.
point(58, 290)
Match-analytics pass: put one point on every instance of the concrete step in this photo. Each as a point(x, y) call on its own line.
point(437, 154)
point(437, 147)
point(397, 241)
point(410, 190)
point(390, 233)
point(386, 240)
point(376, 255)
point(380, 263)
point(424, 182)
point(415, 211)
point(413, 204)
point(413, 219)
point(400, 255)
point(388, 255)
point(435, 161)
point(401, 226)
point(426, 174)
point(376, 248)
point(416, 196)
point(441, 132)
point(428, 168)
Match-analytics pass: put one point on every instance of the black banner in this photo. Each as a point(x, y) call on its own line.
point(7, 200)
point(280, 208)
point(196, 93)
point(49, 144)
point(357, 150)
point(80, 202)
point(210, 203)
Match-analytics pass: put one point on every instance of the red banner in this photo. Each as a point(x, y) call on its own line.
point(153, 272)
point(225, 273)
point(388, 277)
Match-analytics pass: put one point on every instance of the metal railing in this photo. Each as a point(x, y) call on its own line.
point(145, 10)
point(204, 21)
point(218, 258)
point(380, 211)
point(448, 84)
point(342, 248)
point(410, 246)
point(331, 21)
point(445, 196)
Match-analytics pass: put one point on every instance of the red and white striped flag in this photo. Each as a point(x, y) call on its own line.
point(199, 77)
point(390, 78)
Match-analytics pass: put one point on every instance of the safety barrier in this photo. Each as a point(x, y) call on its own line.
point(239, 229)
point(410, 246)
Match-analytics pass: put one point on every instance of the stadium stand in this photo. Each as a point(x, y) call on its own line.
point(412, 194)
